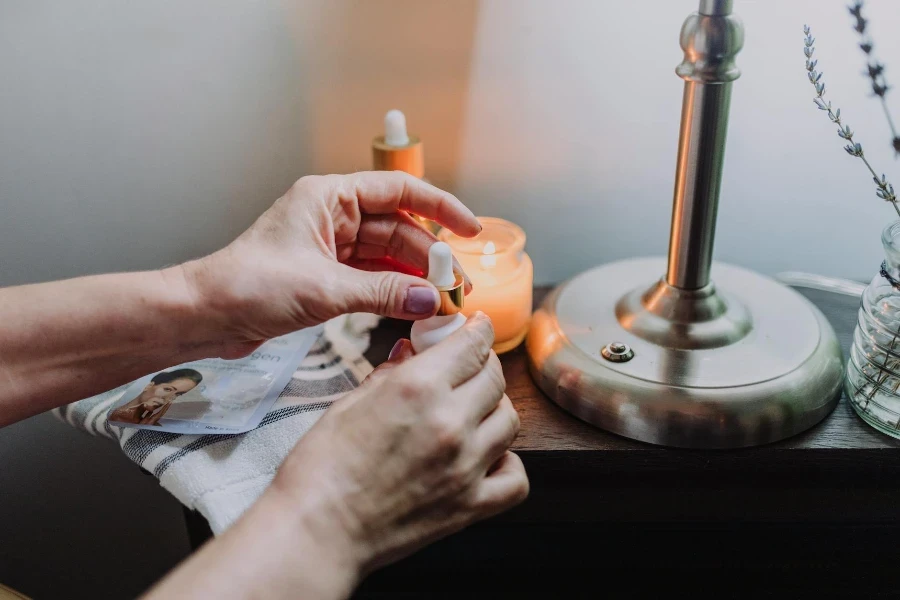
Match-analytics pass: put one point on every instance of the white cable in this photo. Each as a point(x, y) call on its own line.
point(821, 282)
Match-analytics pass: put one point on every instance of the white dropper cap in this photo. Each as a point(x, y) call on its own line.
point(440, 266)
point(395, 129)
point(426, 333)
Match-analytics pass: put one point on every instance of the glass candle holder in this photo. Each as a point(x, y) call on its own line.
point(502, 277)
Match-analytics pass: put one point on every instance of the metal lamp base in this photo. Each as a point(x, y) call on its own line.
point(743, 363)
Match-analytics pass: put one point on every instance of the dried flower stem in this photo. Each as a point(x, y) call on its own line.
point(884, 190)
point(874, 69)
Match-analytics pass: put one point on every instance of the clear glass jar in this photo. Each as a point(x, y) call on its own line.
point(872, 381)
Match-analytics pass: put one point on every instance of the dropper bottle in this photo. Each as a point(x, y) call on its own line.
point(428, 332)
point(397, 150)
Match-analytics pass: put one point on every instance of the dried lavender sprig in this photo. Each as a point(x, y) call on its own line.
point(885, 190)
point(874, 69)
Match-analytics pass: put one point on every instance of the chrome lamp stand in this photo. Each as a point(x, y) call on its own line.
point(679, 360)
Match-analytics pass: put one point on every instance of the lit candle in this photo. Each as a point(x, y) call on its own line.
point(502, 278)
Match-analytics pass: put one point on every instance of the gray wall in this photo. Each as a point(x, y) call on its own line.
point(141, 134)
point(138, 134)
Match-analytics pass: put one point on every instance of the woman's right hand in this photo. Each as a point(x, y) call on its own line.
point(419, 451)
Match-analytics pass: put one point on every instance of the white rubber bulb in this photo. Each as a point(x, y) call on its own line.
point(395, 129)
point(440, 265)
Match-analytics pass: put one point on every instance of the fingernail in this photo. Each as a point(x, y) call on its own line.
point(395, 351)
point(457, 271)
point(420, 300)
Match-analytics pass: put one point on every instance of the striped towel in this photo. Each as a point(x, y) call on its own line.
point(220, 476)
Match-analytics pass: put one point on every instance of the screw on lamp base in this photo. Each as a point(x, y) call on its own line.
point(617, 352)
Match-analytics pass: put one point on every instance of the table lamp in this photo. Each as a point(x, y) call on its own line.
point(709, 355)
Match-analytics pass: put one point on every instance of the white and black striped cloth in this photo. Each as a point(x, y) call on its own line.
point(222, 475)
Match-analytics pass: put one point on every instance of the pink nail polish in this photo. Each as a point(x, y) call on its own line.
point(395, 351)
point(420, 300)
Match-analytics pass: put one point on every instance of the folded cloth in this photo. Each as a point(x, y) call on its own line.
point(220, 476)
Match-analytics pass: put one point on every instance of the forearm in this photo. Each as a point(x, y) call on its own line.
point(275, 551)
point(67, 340)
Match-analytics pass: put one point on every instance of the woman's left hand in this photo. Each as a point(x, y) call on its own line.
point(320, 252)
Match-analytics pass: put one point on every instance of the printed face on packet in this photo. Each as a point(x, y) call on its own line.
point(213, 395)
point(163, 393)
point(156, 397)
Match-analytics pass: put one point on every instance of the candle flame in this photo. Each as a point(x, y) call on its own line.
point(489, 260)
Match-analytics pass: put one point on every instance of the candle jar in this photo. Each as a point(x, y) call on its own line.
point(502, 278)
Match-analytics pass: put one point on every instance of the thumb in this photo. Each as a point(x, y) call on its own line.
point(386, 293)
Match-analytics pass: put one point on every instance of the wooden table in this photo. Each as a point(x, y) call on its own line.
point(815, 513)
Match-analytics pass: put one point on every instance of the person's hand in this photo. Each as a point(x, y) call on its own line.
point(419, 451)
point(320, 252)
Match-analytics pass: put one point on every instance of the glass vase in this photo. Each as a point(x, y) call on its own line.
point(872, 380)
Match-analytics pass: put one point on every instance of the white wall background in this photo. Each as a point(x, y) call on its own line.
point(138, 134)
point(572, 125)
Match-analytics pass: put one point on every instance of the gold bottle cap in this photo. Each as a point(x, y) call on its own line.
point(452, 298)
point(409, 158)
point(450, 284)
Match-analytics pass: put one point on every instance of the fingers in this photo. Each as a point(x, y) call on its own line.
point(483, 391)
point(396, 235)
point(384, 293)
point(504, 487)
point(463, 354)
point(383, 264)
point(497, 432)
point(382, 192)
point(400, 237)
point(401, 351)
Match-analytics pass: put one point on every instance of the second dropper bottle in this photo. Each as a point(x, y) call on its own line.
point(398, 150)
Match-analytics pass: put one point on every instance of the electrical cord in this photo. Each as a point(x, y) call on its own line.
point(821, 282)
